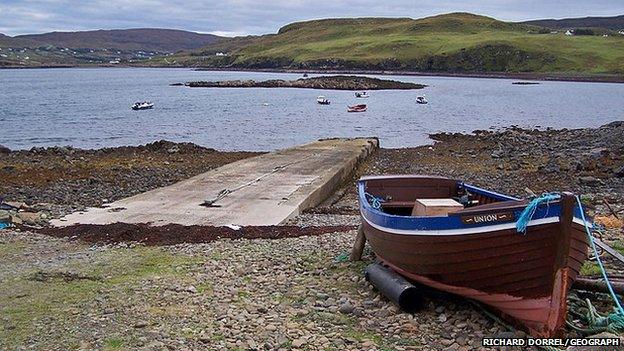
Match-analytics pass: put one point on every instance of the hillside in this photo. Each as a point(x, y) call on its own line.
point(457, 42)
point(146, 39)
point(613, 23)
point(97, 47)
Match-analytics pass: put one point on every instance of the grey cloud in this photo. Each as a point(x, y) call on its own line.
point(260, 17)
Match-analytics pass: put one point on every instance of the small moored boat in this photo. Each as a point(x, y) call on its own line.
point(357, 108)
point(421, 100)
point(361, 95)
point(322, 100)
point(464, 240)
point(145, 105)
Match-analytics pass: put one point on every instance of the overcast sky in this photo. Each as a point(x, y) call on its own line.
point(239, 17)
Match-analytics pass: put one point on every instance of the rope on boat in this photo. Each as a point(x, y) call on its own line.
point(374, 201)
point(614, 322)
point(529, 211)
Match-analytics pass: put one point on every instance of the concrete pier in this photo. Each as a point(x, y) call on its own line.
point(262, 190)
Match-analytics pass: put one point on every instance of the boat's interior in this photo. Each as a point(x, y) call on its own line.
point(399, 195)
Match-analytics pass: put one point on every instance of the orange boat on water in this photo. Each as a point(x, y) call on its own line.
point(357, 108)
point(475, 250)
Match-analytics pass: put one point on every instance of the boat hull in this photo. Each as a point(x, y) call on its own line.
point(524, 276)
point(511, 272)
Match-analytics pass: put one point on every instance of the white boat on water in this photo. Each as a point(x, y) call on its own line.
point(322, 100)
point(361, 95)
point(421, 100)
point(145, 105)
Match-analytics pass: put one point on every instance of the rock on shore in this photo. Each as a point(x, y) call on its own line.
point(324, 82)
point(66, 178)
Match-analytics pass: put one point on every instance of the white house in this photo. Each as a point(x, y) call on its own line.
point(569, 32)
point(621, 32)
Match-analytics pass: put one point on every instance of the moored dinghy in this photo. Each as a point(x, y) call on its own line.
point(145, 105)
point(461, 239)
point(322, 100)
point(357, 108)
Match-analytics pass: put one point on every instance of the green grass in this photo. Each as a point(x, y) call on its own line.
point(113, 344)
point(618, 246)
point(457, 42)
point(590, 268)
point(27, 303)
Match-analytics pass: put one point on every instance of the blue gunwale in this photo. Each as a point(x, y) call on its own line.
point(450, 222)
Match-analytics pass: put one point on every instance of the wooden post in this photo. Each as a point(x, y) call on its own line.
point(358, 245)
point(598, 285)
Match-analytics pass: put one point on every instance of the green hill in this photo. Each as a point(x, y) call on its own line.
point(457, 42)
point(96, 47)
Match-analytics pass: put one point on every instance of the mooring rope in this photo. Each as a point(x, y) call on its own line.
point(529, 211)
point(614, 322)
point(374, 201)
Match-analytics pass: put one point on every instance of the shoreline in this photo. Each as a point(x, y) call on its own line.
point(530, 76)
point(86, 274)
point(62, 175)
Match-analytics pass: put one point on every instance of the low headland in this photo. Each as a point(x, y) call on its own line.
point(325, 82)
point(290, 286)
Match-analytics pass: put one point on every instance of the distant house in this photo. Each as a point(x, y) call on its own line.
point(554, 32)
point(220, 54)
point(621, 32)
point(114, 62)
point(569, 32)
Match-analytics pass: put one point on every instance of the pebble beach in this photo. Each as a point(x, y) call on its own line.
point(285, 289)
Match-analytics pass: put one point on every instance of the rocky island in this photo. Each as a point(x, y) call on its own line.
point(323, 82)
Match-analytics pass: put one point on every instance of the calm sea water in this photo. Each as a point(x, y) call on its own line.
point(90, 108)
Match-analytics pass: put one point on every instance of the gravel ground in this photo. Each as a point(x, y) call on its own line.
point(293, 293)
point(288, 294)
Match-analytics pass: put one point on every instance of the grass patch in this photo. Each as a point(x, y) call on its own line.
point(24, 300)
point(590, 268)
point(113, 344)
point(10, 249)
point(618, 245)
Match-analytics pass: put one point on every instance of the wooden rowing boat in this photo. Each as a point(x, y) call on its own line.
point(476, 251)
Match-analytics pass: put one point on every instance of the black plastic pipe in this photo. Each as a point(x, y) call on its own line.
point(396, 288)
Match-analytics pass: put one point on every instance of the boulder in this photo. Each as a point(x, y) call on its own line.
point(31, 218)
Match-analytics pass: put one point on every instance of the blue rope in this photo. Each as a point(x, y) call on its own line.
point(529, 211)
point(375, 201)
point(618, 317)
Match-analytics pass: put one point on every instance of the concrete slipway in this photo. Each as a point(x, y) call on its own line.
point(262, 190)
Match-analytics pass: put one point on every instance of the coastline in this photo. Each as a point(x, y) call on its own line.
point(530, 76)
point(559, 158)
point(173, 268)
